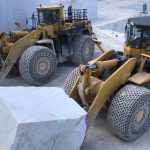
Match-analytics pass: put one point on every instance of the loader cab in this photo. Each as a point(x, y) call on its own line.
point(50, 15)
point(137, 34)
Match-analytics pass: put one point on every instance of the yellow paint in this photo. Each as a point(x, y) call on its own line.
point(140, 78)
point(135, 52)
point(118, 78)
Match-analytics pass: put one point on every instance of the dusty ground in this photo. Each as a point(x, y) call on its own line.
point(99, 137)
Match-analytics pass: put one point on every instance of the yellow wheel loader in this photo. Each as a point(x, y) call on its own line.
point(53, 37)
point(119, 82)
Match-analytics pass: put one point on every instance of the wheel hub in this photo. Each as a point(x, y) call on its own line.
point(140, 116)
point(43, 66)
point(87, 51)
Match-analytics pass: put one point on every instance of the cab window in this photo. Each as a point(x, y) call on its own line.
point(48, 17)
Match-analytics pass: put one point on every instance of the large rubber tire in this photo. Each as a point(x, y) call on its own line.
point(83, 50)
point(38, 65)
point(129, 112)
point(70, 81)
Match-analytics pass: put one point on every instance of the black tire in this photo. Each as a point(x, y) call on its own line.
point(129, 112)
point(30, 65)
point(70, 81)
point(83, 50)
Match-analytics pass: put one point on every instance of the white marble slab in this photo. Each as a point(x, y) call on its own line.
point(40, 118)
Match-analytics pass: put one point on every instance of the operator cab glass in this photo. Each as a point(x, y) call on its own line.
point(133, 36)
point(47, 17)
point(128, 34)
point(137, 37)
point(138, 32)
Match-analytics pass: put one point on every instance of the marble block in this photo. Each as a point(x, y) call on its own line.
point(40, 118)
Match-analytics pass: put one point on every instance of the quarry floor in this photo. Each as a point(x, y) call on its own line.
point(99, 136)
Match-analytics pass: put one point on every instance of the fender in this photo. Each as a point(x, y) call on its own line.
point(49, 42)
point(140, 78)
